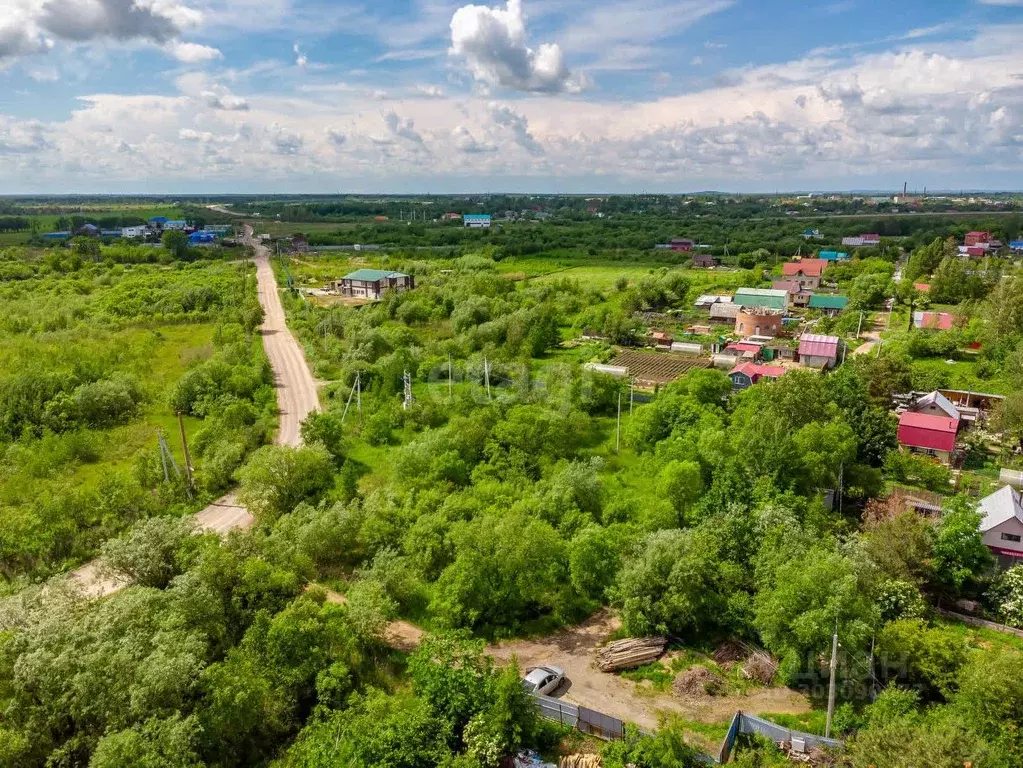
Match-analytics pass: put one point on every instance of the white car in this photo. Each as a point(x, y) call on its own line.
point(543, 680)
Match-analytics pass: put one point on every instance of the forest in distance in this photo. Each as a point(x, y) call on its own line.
point(486, 488)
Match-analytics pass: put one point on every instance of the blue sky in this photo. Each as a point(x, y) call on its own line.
point(522, 95)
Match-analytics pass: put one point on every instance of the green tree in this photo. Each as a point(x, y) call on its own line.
point(681, 483)
point(175, 243)
point(276, 478)
point(170, 743)
point(959, 551)
point(153, 552)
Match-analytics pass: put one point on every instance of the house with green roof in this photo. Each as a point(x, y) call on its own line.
point(373, 283)
point(761, 297)
point(828, 304)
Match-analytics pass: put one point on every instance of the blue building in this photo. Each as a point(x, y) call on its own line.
point(56, 235)
point(158, 221)
point(1016, 246)
point(201, 238)
point(833, 255)
point(476, 220)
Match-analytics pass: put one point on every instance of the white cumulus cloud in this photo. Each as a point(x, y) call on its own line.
point(493, 44)
point(193, 53)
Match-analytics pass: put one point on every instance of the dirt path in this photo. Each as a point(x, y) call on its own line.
point(296, 398)
point(573, 650)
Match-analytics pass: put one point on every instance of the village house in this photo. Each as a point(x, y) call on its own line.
point(812, 234)
point(829, 304)
point(935, 321)
point(476, 220)
point(816, 351)
point(1002, 525)
point(928, 434)
point(745, 375)
point(797, 296)
point(681, 244)
point(133, 232)
point(977, 238)
point(373, 283)
point(806, 272)
point(761, 297)
point(833, 255)
point(1016, 246)
point(935, 404)
point(860, 241)
point(724, 312)
point(759, 321)
point(705, 261)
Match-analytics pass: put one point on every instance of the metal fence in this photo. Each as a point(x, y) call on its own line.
point(746, 723)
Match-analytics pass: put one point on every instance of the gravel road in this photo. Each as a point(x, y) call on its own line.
point(296, 397)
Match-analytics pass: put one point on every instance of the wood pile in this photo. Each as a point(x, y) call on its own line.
point(696, 682)
point(729, 653)
point(634, 652)
point(580, 761)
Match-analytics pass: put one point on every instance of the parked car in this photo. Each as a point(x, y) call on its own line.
point(543, 680)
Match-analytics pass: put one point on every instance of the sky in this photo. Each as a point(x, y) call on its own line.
point(545, 96)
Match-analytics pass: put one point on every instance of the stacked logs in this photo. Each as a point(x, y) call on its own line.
point(634, 652)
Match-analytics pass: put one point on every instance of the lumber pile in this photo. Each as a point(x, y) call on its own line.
point(580, 761)
point(634, 652)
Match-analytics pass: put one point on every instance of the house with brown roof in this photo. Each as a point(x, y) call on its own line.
point(798, 297)
point(806, 272)
point(705, 261)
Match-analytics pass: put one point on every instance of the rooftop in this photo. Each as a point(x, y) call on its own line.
point(372, 275)
point(755, 369)
point(815, 345)
point(809, 267)
point(828, 301)
point(1004, 504)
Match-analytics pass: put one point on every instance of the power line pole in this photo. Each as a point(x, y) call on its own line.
point(486, 376)
point(451, 378)
point(831, 684)
point(859, 326)
point(618, 430)
point(188, 458)
point(632, 393)
point(407, 380)
point(348, 402)
point(358, 391)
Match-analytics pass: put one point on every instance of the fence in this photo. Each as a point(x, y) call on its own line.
point(744, 723)
point(581, 718)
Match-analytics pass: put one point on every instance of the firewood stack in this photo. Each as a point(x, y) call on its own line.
point(634, 652)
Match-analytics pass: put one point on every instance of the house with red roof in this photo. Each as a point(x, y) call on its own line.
point(934, 321)
point(745, 375)
point(977, 238)
point(816, 351)
point(928, 434)
point(806, 272)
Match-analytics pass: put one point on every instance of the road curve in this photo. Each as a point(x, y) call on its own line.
point(297, 397)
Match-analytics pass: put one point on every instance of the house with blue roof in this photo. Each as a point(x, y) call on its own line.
point(373, 283)
point(202, 238)
point(476, 220)
point(1016, 246)
point(833, 255)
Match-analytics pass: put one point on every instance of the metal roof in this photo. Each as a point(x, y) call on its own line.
point(1002, 505)
point(755, 370)
point(809, 267)
point(922, 430)
point(372, 275)
point(937, 399)
point(825, 301)
point(761, 297)
point(815, 345)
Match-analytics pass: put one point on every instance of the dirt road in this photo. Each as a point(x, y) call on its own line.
point(297, 395)
point(296, 398)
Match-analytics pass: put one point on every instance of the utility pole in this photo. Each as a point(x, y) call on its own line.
point(632, 392)
point(859, 325)
point(618, 431)
point(486, 376)
point(358, 391)
point(188, 459)
point(348, 402)
point(451, 378)
point(831, 684)
point(407, 379)
point(163, 457)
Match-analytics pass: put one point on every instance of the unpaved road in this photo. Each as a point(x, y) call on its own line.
point(573, 649)
point(296, 398)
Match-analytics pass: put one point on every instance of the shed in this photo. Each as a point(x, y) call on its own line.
point(816, 351)
point(705, 260)
point(687, 347)
point(939, 321)
point(830, 304)
point(724, 312)
point(476, 220)
point(928, 434)
point(1016, 245)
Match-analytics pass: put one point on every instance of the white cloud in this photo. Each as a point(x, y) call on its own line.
point(193, 53)
point(518, 125)
point(34, 26)
point(336, 138)
point(300, 58)
point(697, 61)
point(21, 137)
point(284, 141)
point(1012, 3)
point(465, 142)
point(493, 44)
point(429, 91)
point(403, 128)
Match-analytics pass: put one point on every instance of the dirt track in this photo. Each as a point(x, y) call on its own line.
point(296, 398)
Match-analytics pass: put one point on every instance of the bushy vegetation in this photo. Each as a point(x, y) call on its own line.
point(95, 357)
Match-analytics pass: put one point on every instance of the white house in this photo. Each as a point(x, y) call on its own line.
point(1002, 526)
point(476, 220)
point(134, 231)
point(175, 224)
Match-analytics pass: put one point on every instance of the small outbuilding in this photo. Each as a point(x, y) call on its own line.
point(928, 434)
point(816, 351)
point(745, 375)
point(705, 261)
point(829, 304)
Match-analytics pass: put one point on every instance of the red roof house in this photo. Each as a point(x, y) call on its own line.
point(818, 351)
point(745, 375)
point(743, 347)
point(976, 238)
point(938, 321)
point(975, 251)
point(927, 433)
point(808, 267)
